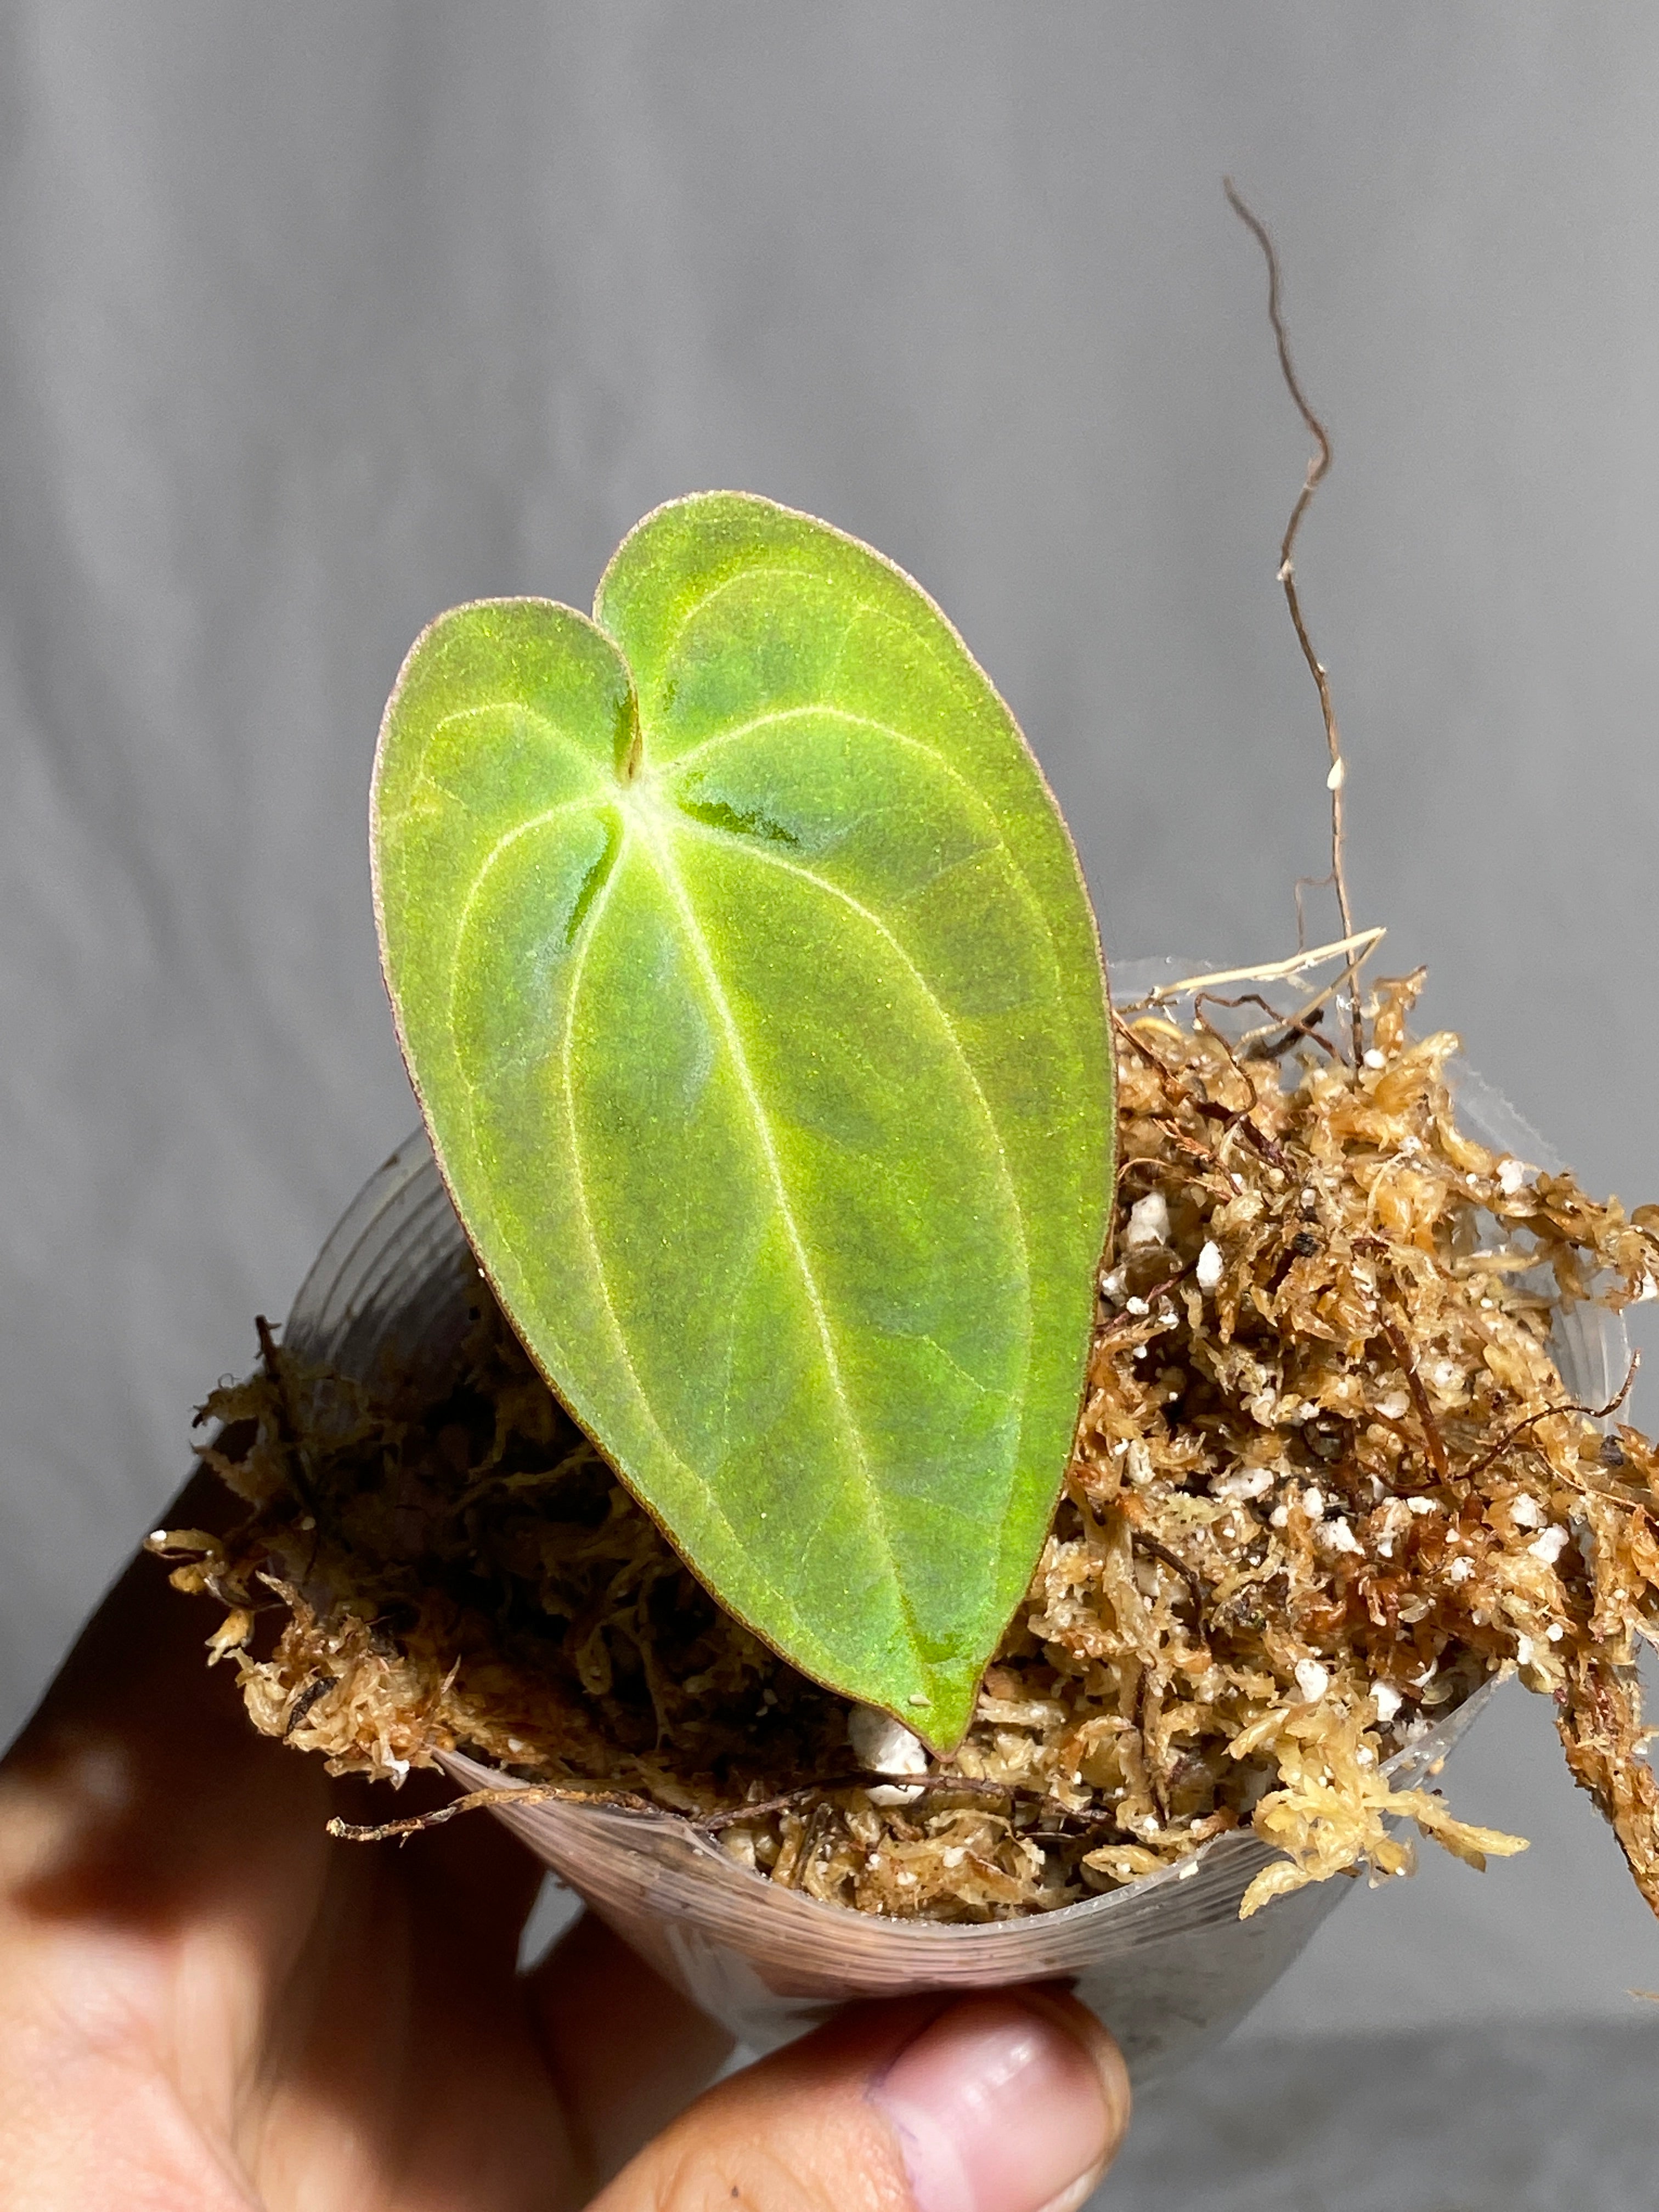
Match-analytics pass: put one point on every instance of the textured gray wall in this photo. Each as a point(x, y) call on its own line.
point(315, 320)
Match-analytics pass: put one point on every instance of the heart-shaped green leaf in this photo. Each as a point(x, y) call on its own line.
point(744, 970)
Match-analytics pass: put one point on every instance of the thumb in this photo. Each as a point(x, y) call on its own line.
point(1004, 2101)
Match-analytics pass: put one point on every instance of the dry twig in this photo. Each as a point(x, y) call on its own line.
point(1318, 466)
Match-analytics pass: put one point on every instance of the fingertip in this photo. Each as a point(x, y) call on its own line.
point(1100, 2048)
point(1010, 2102)
point(997, 2101)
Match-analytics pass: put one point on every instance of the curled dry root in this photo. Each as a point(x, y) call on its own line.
point(1327, 1482)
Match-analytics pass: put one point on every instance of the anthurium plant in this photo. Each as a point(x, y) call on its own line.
point(747, 978)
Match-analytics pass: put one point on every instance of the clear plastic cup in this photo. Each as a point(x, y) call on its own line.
point(1165, 1961)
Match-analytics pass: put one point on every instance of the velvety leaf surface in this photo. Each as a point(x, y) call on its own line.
point(746, 973)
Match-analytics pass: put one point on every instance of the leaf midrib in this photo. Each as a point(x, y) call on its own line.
point(636, 818)
point(674, 883)
point(598, 800)
point(752, 851)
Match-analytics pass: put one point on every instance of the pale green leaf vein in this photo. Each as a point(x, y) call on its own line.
point(710, 974)
point(767, 858)
point(543, 725)
point(584, 942)
point(486, 868)
point(686, 614)
point(775, 715)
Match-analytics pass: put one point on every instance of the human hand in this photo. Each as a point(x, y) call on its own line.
point(206, 2005)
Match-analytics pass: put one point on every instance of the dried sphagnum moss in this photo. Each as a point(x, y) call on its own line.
point(1326, 1482)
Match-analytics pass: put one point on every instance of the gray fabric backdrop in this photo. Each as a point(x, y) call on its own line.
point(314, 320)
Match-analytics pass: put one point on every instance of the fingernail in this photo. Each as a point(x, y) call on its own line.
point(1006, 2104)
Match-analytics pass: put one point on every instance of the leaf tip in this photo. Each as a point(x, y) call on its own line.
point(938, 1716)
